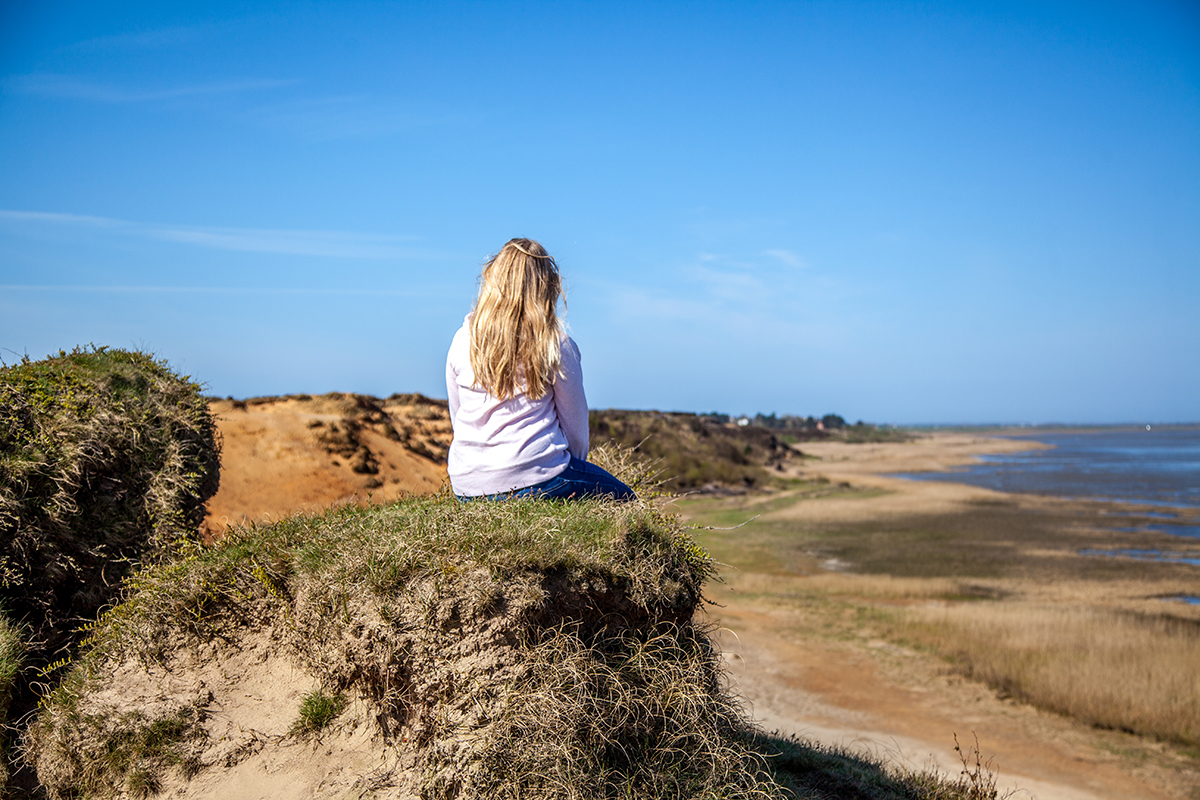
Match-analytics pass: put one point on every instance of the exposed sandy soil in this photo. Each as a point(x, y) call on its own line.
point(285, 454)
point(905, 705)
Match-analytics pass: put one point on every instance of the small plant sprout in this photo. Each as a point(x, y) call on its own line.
point(317, 710)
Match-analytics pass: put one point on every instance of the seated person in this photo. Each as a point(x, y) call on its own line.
point(516, 389)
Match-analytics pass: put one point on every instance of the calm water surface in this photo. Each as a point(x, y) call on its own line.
point(1160, 466)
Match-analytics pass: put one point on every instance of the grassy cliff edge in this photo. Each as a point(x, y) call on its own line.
point(520, 649)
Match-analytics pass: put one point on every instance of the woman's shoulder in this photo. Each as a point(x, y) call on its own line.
point(569, 348)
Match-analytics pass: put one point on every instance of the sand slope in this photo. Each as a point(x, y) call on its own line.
point(281, 455)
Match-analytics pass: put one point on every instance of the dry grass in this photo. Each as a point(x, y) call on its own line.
point(106, 459)
point(12, 653)
point(530, 648)
point(693, 452)
point(1119, 670)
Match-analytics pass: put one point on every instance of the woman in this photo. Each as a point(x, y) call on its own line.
point(516, 389)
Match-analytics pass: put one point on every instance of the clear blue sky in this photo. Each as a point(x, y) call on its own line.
point(900, 212)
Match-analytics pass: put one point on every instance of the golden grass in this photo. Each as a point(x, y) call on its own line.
point(1131, 672)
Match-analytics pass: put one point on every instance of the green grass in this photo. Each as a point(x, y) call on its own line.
point(106, 459)
point(317, 710)
point(12, 652)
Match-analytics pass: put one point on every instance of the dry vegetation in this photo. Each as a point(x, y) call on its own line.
point(106, 459)
point(529, 648)
point(694, 453)
point(1007, 597)
point(1112, 669)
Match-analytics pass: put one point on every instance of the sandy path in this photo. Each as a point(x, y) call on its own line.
point(904, 711)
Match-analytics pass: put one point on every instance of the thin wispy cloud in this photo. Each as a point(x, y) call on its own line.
point(157, 38)
point(333, 244)
point(224, 290)
point(312, 118)
point(787, 257)
point(349, 117)
point(72, 88)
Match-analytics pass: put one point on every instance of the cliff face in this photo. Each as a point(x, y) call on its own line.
point(281, 455)
point(526, 649)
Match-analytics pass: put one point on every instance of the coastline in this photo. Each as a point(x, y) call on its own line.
point(793, 624)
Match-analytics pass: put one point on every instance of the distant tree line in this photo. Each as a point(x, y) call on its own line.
point(786, 422)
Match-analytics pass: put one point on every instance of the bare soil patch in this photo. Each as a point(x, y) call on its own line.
point(281, 455)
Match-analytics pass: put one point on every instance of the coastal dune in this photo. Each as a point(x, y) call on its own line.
point(854, 686)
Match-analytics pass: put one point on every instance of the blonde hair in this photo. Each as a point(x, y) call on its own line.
point(516, 335)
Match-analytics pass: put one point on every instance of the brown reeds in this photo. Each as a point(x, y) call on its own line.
point(1114, 669)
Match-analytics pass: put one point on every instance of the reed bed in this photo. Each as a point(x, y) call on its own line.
point(1130, 672)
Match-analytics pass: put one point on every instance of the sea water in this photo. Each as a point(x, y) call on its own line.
point(1158, 467)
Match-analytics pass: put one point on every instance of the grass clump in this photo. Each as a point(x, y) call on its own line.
point(317, 710)
point(125, 754)
point(106, 459)
point(12, 653)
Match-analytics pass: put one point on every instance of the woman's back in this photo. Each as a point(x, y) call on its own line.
point(515, 386)
point(501, 445)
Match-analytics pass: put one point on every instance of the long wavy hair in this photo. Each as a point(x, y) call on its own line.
point(516, 334)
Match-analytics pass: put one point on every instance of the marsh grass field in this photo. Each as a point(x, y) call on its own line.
point(1001, 591)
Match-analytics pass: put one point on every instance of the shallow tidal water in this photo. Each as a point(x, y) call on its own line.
point(1159, 467)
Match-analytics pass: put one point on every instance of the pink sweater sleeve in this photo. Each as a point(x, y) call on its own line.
point(570, 402)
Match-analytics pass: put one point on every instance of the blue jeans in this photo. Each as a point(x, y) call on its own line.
point(580, 479)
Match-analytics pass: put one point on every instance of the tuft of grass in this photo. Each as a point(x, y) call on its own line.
point(12, 653)
point(317, 710)
point(123, 754)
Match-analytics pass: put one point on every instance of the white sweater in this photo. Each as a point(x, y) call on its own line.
point(504, 445)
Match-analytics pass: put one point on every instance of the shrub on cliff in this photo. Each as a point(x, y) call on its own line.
point(106, 460)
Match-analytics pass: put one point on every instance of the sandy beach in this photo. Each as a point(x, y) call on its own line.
point(813, 668)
